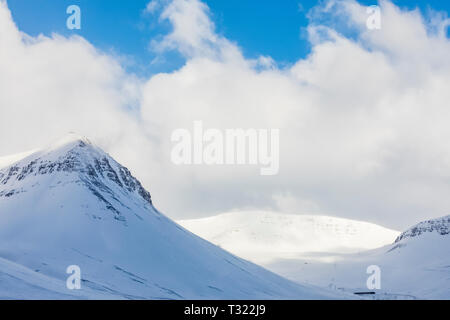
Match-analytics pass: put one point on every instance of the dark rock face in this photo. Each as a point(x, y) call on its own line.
point(440, 226)
point(94, 169)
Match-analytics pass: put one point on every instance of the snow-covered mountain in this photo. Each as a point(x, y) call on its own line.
point(333, 253)
point(417, 265)
point(72, 204)
point(266, 236)
point(440, 226)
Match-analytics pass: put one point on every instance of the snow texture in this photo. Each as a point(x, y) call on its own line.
point(335, 253)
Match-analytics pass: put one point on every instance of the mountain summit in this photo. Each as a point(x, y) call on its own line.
point(439, 226)
point(72, 204)
point(75, 160)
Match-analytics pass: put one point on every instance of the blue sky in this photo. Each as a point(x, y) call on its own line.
point(268, 28)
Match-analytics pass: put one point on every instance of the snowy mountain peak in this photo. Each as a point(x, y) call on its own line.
point(70, 140)
point(72, 159)
point(439, 226)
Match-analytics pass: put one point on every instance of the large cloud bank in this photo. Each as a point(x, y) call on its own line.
point(364, 120)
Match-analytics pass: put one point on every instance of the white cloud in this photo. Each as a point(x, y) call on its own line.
point(364, 122)
point(152, 6)
point(193, 32)
point(50, 86)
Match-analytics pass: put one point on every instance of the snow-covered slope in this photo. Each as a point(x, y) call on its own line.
point(416, 266)
point(265, 236)
point(328, 252)
point(72, 204)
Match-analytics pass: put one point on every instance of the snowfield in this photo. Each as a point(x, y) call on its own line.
point(72, 204)
point(262, 236)
point(335, 253)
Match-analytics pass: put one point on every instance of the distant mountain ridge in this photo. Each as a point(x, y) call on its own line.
point(263, 235)
point(440, 226)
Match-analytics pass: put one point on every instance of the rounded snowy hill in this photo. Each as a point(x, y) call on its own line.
point(72, 204)
point(262, 236)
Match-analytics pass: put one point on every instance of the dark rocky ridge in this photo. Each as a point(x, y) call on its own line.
point(440, 226)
